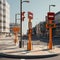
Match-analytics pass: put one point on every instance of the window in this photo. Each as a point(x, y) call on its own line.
point(0, 27)
point(0, 14)
point(0, 21)
point(4, 4)
point(4, 21)
point(4, 10)
point(0, 8)
point(0, 2)
point(4, 16)
point(4, 27)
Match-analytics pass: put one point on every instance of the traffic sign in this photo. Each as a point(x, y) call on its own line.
point(23, 16)
point(51, 15)
point(30, 15)
point(15, 29)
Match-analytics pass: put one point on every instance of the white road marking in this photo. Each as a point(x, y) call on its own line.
point(22, 59)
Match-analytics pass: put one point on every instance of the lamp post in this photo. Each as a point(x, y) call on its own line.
point(20, 42)
point(16, 18)
point(50, 7)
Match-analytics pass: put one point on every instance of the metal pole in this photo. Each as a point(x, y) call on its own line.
point(20, 42)
point(15, 19)
point(49, 8)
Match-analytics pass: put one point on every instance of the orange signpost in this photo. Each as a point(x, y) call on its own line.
point(16, 30)
point(29, 44)
point(50, 36)
point(29, 47)
point(50, 25)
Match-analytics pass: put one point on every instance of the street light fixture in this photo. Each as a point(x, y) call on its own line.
point(20, 42)
point(50, 6)
point(26, 1)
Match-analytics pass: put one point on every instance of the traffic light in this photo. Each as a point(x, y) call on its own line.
point(23, 16)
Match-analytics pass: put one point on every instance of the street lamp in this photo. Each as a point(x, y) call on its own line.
point(16, 18)
point(50, 6)
point(20, 42)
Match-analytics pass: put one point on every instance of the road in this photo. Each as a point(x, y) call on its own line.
point(51, 58)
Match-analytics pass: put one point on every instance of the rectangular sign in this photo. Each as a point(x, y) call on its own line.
point(51, 15)
point(30, 15)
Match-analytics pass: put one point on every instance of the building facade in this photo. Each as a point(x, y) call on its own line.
point(4, 17)
point(57, 21)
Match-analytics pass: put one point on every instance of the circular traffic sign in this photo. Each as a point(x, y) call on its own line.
point(16, 29)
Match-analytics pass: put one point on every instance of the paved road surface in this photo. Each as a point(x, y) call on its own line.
point(52, 58)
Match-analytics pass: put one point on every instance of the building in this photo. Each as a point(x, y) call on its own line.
point(57, 21)
point(4, 17)
point(40, 29)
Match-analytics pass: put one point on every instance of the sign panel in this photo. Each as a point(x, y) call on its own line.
point(30, 15)
point(16, 29)
point(23, 16)
point(51, 15)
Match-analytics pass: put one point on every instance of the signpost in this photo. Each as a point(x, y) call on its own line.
point(50, 25)
point(29, 44)
point(16, 30)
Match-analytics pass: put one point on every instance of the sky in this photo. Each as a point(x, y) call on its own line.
point(39, 8)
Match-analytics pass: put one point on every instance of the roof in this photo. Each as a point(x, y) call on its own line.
point(57, 13)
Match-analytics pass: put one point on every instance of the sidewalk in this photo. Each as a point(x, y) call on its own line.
point(38, 51)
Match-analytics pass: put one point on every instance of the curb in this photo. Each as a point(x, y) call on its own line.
point(27, 57)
